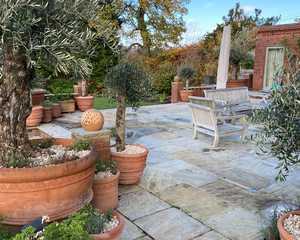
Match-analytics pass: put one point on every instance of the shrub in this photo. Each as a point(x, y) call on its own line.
point(81, 145)
point(163, 77)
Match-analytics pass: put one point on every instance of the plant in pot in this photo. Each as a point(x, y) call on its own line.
point(280, 134)
point(186, 73)
point(32, 30)
point(56, 108)
point(67, 103)
point(130, 85)
point(84, 102)
point(105, 185)
point(47, 111)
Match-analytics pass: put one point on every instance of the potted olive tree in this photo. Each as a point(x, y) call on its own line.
point(31, 184)
point(84, 101)
point(280, 135)
point(186, 73)
point(130, 85)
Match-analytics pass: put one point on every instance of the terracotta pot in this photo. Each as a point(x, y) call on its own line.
point(56, 110)
point(114, 234)
point(67, 106)
point(237, 83)
point(35, 117)
point(106, 193)
point(37, 96)
point(56, 190)
point(84, 103)
point(284, 235)
point(131, 166)
point(47, 115)
point(184, 95)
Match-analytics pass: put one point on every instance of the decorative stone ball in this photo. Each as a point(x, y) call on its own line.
point(92, 120)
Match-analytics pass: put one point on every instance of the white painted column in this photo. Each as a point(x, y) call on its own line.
point(223, 65)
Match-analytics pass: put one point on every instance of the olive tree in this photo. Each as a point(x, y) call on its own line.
point(54, 31)
point(130, 85)
point(186, 73)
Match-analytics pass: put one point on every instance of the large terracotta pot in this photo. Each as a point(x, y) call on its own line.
point(84, 103)
point(106, 193)
point(67, 106)
point(185, 94)
point(284, 235)
point(35, 117)
point(37, 96)
point(114, 234)
point(56, 110)
point(56, 190)
point(237, 83)
point(47, 115)
point(131, 166)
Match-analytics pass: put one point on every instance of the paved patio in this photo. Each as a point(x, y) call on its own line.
point(190, 191)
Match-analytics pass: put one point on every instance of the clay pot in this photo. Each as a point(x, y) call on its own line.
point(106, 193)
point(56, 191)
point(84, 103)
point(114, 234)
point(185, 94)
point(35, 117)
point(56, 110)
point(237, 83)
point(47, 115)
point(284, 235)
point(131, 166)
point(37, 96)
point(67, 106)
point(92, 120)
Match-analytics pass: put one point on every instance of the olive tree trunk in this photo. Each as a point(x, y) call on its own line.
point(120, 123)
point(15, 106)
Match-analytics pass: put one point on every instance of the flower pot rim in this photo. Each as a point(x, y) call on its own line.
point(38, 91)
point(106, 179)
point(118, 229)
point(37, 107)
point(115, 153)
point(84, 97)
point(184, 90)
point(280, 224)
point(67, 101)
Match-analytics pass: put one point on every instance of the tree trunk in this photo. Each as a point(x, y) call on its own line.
point(15, 106)
point(142, 27)
point(120, 123)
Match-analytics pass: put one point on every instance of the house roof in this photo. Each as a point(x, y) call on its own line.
point(282, 27)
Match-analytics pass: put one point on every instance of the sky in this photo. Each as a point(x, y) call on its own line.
point(203, 15)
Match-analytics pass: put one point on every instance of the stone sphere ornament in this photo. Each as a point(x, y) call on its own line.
point(92, 120)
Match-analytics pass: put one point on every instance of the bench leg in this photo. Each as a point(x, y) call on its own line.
point(216, 141)
point(195, 136)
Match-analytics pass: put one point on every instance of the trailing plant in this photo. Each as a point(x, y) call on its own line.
point(130, 85)
point(81, 145)
point(280, 120)
point(106, 166)
point(186, 73)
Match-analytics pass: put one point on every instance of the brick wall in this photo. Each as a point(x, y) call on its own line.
point(272, 36)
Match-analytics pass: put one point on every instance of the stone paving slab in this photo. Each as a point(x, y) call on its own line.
point(171, 224)
point(125, 189)
point(131, 231)
point(55, 131)
point(212, 235)
point(139, 204)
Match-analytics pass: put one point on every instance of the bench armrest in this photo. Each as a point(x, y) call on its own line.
point(231, 117)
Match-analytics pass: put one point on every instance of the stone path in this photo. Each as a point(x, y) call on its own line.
point(189, 191)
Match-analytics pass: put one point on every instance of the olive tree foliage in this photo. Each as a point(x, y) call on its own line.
point(280, 120)
point(55, 32)
point(130, 85)
point(186, 73)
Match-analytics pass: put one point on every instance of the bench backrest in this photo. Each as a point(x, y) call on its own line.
point(203, 116)
point(229, 95)
point(203, 101)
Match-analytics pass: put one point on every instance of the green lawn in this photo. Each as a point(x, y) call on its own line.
point(106, 103)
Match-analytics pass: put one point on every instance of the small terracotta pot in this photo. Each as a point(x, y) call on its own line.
point(106, 193)
point(67, 106)
point(184, 95)
point(47, 115)
point(131, 166)
point(284, 235)
point(35, 117)
point(37, 96)
point(56, 110)
point(56, 190)
point(84, 103)
point(114, 234)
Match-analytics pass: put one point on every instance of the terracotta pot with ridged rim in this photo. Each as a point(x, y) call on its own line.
point(284, 235)
point(67, 106)
point(131, 165)
point(54, 190)
point(56, 110)
point(47, 115)
point(184, 95)
point(114, 234)
point(35, 117)
point(106, 192)
point(84, 103)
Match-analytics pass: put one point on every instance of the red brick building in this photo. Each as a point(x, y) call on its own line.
point(270, 52)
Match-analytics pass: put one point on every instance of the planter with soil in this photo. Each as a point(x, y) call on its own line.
point(56, 110)
point(37, 96)
point(67, 106)
point(105, 186)
point(289, 225)
point(47, 113)
point(84, 103)
point(56, 182)
point(185, 94)
point(35, 117)
point(131, 163)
